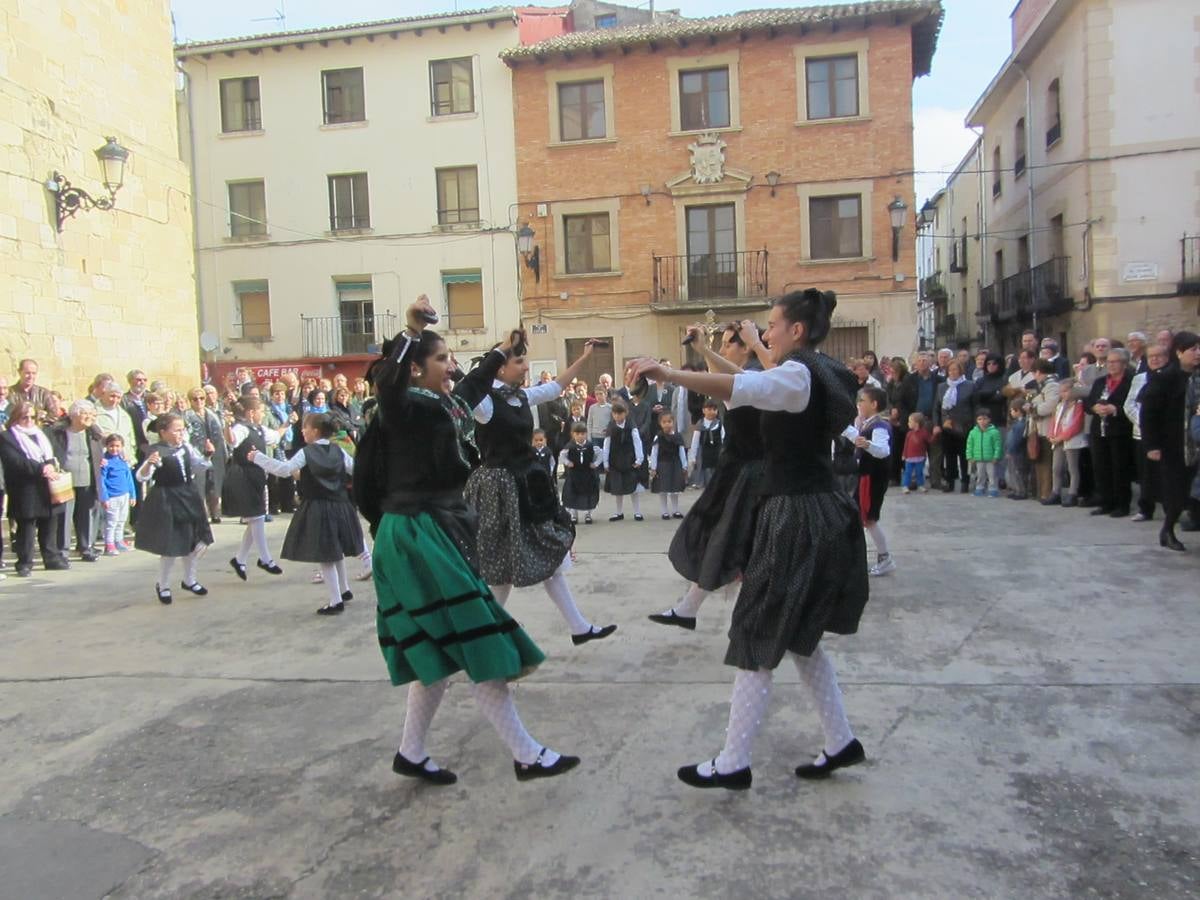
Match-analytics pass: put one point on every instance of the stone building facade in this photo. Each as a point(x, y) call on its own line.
point(114, 290)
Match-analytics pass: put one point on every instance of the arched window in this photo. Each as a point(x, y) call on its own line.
point(1019, 148)
point(1053, 114)
point(996, 164)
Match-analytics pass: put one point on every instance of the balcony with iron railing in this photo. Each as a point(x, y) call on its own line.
point(1043, 290)
point(987, 303)
point(736, 278)
point(1189, 281)
point(326, 336)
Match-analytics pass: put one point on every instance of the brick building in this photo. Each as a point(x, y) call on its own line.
point(707, 164)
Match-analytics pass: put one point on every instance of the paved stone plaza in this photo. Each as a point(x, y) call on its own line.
point(1027, 694)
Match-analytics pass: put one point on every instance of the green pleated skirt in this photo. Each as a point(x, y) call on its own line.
point(436, 616)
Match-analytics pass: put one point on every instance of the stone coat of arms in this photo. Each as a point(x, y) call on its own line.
point(708, 159)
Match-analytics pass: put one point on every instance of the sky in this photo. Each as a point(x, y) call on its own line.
point(974, 43)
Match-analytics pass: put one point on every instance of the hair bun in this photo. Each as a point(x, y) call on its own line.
point(828, 301)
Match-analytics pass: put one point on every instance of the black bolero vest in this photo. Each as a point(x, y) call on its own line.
point(506, 440)
point(796, 448)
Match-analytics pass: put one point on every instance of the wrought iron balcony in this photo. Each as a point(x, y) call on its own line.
point(946, 329)
point(987, 303)
point(1044, 290)
point(731, 279)
point(1189, 282)
point(325, 336)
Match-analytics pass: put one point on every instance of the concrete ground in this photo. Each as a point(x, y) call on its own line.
point(1026, 686)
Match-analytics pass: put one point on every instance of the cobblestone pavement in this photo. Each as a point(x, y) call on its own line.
point(1026, 686)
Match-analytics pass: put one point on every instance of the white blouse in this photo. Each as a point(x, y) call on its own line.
point(785, 388)
point(539, 393)
point(284, 468)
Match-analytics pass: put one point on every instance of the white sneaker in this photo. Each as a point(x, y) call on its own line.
point(906, 491)
point(883, 567)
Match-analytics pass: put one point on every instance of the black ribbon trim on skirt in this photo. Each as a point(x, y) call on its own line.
point(464, 637)
point(431, 607)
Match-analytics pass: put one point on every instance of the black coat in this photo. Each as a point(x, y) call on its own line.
point(910, 394)
point(988, 397)
point(1118, 424)
point(1164, 417)
point(28, 490)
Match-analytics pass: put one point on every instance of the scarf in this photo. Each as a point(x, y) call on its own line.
point(33, 443)
point(951, 397)
point(1111, 384)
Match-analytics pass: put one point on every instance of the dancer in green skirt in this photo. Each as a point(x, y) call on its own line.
point(436, 615)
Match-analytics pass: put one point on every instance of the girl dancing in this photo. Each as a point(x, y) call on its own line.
point(325, 529)
point(527, 533)
point(173, 523)
point(712, 544)
point(807, 571)
point(436, 615)
point(244, 493)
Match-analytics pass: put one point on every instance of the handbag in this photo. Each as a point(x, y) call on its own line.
point(62, 488)
point(1033, 447)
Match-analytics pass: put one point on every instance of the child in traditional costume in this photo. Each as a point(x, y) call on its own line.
point(668, 466)
point(581, 483)
point(622, 463)
point(244, 492)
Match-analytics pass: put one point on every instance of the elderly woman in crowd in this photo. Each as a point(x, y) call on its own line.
point(1168, 402)
point(29, 467)
point(206, 433)
point(1111, 437)
point(79, 448)
point(955, 415)
point(896, 373)
point(1040, 407)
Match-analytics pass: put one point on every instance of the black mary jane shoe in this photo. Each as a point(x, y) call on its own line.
point(163, 594)
point(731, 781)
point(402, 766)
point(195, 587)
point(273, 568)
point(238, 568)
point(670, 617)
point(347, 596)
point(638, 517)
point(587, 520)
point(851, 755)
point(536, 769)
point(666, 517)
point(677, 515)
point(1167, 539)
point(593, 634)
point(618, 517)
point(330, 610)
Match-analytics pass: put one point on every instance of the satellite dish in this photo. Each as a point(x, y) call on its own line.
point(209, 341)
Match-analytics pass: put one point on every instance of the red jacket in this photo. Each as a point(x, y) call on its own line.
point(916, 443)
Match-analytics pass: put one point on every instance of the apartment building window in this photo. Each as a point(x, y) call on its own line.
point(835, 225)
point(458, 195)
point(356, 315)
point(253, 310)
point(344, 100)
point(464, 299)
point(1058, 240)
point(241, 106)
point(581, 113)
point(996, 172)
point(452, 86)
point(247, 208)
point(832, 87)
point(704, 99)
point(1019, 148)
point(1053, 113)
point(348, 203)
point(587, 241)
point(608, 20)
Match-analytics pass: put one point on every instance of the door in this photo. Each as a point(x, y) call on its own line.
point(712, 252)
point(599, 363)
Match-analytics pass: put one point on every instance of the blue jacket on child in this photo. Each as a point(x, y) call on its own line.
point(1014, 443)
point(116, 478)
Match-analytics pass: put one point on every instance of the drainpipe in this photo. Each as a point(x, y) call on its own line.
point(191, 138)
point(981, 219)
point(1029, 177)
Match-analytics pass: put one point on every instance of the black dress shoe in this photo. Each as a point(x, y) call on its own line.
point(195, 587)
point(1121, 512)
point(329, 610)
point(1167, 539)
point(617, 518)
point(56, 565)
point(215, 520)
point(238, 568)
point(536, 769)
point(1101, 511)
point(87, 557)
point(273, 568)
point(163, 594)
point(24, 571)
point(347, 596)
point(677, 515)
point(1052, 500)
point(670, 617)
point(851, 755)
point(402, 766)
point(638, 517)
point(667, 516)
point(595, 634)
point(732, 781)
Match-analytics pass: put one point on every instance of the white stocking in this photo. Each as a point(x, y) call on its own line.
point(422, 704)
point(165, 565)
point(690, 604)
point(747, 708)
point(674, 503)
point(878, 537)
point(819, 677)
point(258, 527)
point(343, 583)
point(329, 576)
point(637, 504)
point(560, 592)
point(500, 592)
point(190, 562)
point(619, 499)
point(243, 552)
point(496, 703)
point(662, 501)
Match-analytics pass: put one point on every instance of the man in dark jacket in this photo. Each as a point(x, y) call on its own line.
point(918, 393)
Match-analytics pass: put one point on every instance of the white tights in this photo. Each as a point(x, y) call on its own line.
point(619, 499)
point(878, 538)
point(690, 604)
point(560, 592)
point(256, 533)
point(167, 563)
point(748, 708)
point(663, 499)
point(495, 702)
point(336, 582)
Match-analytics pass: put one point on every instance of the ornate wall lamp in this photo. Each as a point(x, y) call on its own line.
point(773, 180)
point(529, 251)
point(69, 199)
point(898, 210)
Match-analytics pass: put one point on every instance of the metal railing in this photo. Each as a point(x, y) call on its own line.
point(325, 336)
point(987, 302)
point(1189, 265)
point(946, 329)
point(705, 277)
point(1044, 289)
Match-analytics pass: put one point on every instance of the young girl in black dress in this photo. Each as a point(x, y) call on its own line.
point(325, 530)
point(244, 493)
point(581, 484)
point(668, 466)
point(173, 523)
point(623, 462)
point(807, 571)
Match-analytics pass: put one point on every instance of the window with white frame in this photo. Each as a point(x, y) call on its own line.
point(253, 310)
point(349, 207)
point(342, 96)
point(247, 208)
point(458, 195)
point(452, 86)
point(241, 105)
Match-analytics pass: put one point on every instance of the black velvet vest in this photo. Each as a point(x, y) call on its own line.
point(506, 440)
point(796, 448)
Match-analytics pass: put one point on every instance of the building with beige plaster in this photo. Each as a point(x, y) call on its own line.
point(114, 289)
point(339, 173)
point(1091, 165)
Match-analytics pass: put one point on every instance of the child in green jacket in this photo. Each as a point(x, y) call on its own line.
point(985, 447)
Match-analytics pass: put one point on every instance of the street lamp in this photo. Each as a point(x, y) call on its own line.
point(69, 199)
point(529, 251)
point(898, 210)
point(920, 337)
point(773, 180)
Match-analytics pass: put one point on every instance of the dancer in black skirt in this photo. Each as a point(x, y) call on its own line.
point(173, 523)
point(712, 544)
point(244, 493)
point(325, 530)
point(526, 533)
point(807, 571)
